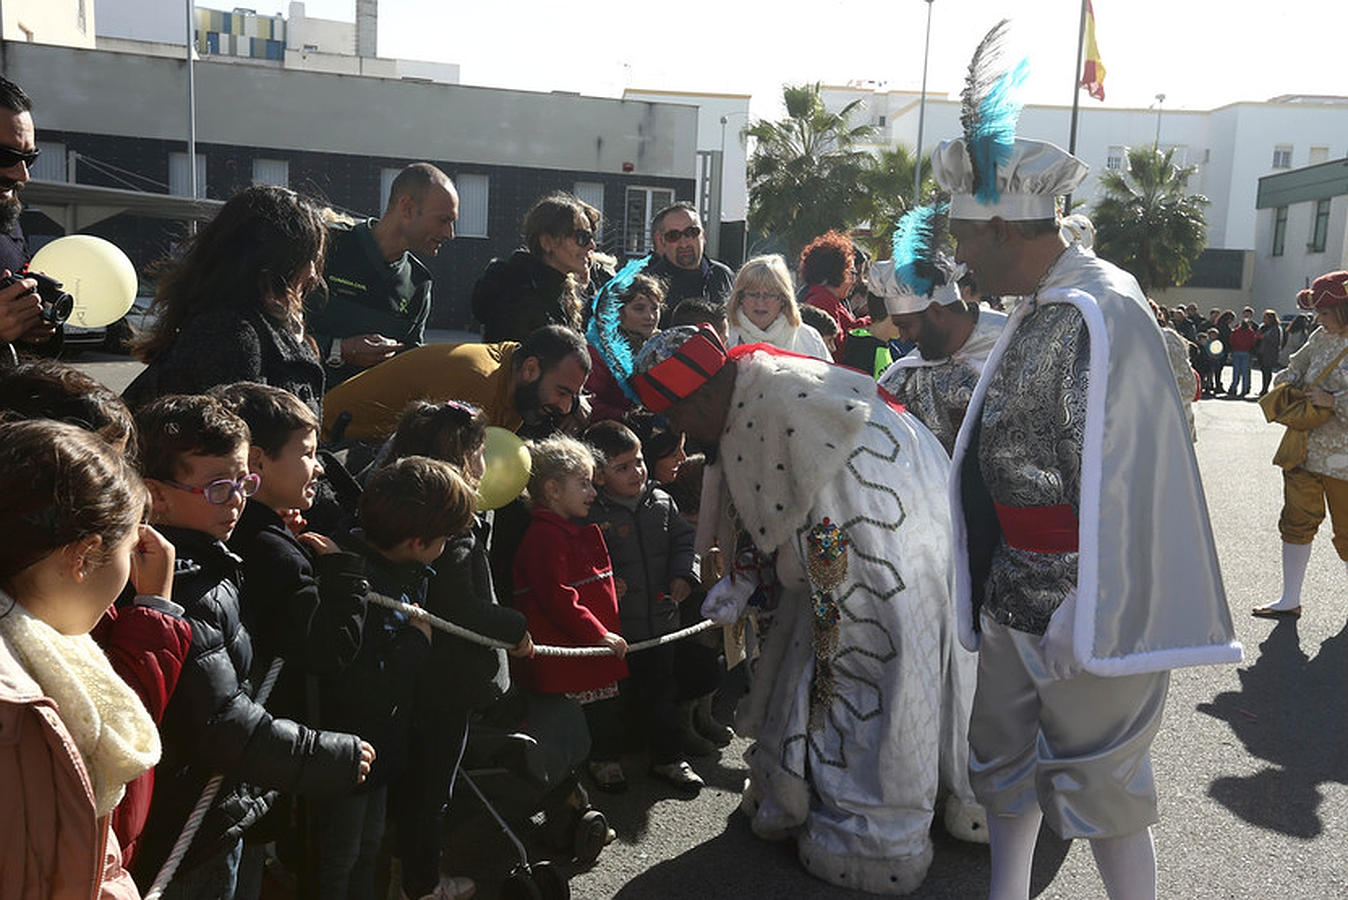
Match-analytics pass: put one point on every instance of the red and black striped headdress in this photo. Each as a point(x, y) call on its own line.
point(675, 363)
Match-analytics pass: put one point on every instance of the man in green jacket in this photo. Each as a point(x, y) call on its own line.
point(379, 292)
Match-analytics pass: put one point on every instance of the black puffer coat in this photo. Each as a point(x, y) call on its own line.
point(518, 295)
point(649, 546)
point(465, 675)
point(212, 723)
point(228, 345)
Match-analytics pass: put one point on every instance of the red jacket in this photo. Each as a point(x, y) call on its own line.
point(564, 586)
point(1243, 339)
point(820, 296)
point(146, 644)
point(608, 401)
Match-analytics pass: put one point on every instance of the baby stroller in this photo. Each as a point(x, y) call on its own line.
point(521, 760)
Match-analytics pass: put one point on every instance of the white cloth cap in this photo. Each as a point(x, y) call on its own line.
point(1029, 182)
point(900, 298)
point(1078, 229)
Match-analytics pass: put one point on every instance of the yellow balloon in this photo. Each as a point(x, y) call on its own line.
point(507, 472)
point(96, 274)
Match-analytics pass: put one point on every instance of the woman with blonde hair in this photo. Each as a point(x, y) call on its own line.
point(762, 310)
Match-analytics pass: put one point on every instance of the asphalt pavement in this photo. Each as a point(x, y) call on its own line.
point(1250, 763)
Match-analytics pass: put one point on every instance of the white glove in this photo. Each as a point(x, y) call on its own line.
point(727, 599)
point(1059, 657)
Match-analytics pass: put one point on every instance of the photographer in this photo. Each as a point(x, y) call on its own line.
point(20, 308)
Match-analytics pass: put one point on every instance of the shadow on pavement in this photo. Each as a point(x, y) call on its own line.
point(1290, 712)
point(737, 864)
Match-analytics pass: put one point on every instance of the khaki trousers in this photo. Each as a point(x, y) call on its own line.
point(1305, 495)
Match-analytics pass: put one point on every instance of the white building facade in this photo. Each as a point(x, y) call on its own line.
point(1301, 231)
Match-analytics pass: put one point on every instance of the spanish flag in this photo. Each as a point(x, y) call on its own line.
point(1093, 72)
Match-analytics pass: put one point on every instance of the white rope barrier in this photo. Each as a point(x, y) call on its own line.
point(473, 637)
point(193, 824)
point(204, 802)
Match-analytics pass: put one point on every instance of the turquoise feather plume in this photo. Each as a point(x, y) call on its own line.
point(990, 106)
point(603, 332)
point(917, 239)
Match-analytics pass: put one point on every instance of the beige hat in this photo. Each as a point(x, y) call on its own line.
point(1028, 183)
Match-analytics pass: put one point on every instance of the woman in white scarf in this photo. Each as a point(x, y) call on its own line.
point(70, 540)
point(762, 310)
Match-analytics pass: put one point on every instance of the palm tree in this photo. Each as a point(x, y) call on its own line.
point(805, 174)
point(889, 188)
point(1147, 223)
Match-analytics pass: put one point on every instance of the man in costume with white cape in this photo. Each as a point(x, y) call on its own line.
point(1084, 559)
point(839, 496)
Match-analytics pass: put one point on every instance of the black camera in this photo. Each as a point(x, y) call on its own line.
point(56, 303)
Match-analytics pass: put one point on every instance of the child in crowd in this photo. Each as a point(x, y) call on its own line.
point(303, 596)
point(195, 461)
point(74, 732)
point(564, 586)
point(822, 322)
point(696, 310)
point(651, 547)
point(143, 634)
point(460, 677)
point(623, 321)
point(698, 667)
point(409, 511)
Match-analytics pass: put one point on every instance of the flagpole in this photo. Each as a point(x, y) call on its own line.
point(921, 117)
point(1076, 91)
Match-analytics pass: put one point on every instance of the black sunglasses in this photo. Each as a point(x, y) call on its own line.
point(673, 235)
point(584, 237)
point(10, 157)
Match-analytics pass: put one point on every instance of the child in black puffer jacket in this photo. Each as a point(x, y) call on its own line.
point(460, 677)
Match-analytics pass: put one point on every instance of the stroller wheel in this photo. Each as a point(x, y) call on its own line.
point(552, 885)
point(520, 885)
point(591, 835)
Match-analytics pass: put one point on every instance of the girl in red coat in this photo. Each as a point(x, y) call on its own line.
point(564, 586)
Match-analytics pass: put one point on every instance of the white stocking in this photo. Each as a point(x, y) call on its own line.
point(1295, 558)
point(1127, 865)
point(1012, 840)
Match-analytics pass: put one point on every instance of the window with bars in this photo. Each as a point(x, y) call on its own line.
point(271, 171)
point(179, 176)
point(51, 165)
point(1320, 229)
point(642, 203)
point(592, 192)
point(1116, 159)
point(473, 196)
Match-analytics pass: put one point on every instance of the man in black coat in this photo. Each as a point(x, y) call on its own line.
point(19, 307)
point(680, 259)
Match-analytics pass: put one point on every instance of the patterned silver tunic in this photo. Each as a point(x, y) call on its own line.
point(937, 395)
point(1030, 455)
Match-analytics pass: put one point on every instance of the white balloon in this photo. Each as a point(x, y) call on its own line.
point(95, 272)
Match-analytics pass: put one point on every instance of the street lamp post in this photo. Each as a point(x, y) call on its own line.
point(714, 242)
point(1160, 99)
point(922, 113)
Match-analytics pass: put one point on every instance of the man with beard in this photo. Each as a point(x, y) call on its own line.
point(527, 388)
point(831, 502)
point(680, 259)
point(936, 380)
point(19, 306)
